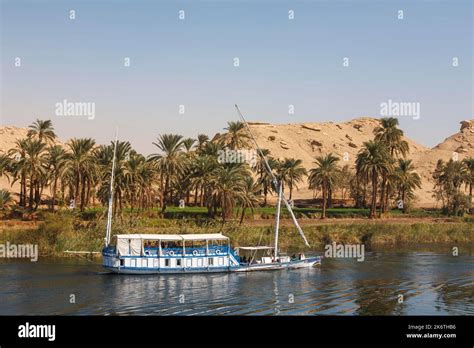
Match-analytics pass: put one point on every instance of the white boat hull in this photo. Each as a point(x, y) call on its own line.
point(255, 267)
point(307, 263)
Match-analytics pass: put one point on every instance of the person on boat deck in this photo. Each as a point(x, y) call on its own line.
point(293, 257)
point(244, 259)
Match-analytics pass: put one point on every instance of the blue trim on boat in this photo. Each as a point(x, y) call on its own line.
point(173, 269)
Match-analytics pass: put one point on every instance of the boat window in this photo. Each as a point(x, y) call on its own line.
point(178, 262)
point(211, 261)
point(167, 262)
point(221, 261)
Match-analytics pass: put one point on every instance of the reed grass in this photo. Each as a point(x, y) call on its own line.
point(67, 231)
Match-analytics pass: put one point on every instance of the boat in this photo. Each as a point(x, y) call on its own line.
point(197, 253)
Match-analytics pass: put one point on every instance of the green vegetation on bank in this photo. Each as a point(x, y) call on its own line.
point(68, 231)
point(173, 212)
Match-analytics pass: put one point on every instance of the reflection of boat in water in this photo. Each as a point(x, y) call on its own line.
point(196, 253)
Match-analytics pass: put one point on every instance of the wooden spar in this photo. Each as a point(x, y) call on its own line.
point(111, 198)
point(81, 252)
point(277, 222)
point(274, 179)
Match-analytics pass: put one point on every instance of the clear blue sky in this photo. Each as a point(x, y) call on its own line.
point(190, 62)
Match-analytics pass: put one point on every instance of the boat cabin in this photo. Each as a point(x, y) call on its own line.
point(173, 252)
point(259, 255)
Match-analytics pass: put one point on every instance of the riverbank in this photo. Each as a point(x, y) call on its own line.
point(57, 233)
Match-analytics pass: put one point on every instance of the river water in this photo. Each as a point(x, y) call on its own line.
point(430, 279)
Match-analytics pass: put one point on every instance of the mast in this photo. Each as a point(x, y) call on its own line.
point(111, 196)
point(274, 179)
point(277, 222)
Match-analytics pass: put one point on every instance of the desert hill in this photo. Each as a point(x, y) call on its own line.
point(308, 140)
point(8, 136)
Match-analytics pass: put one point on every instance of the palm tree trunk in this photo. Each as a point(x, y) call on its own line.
point(165, 195)
point(323, 213)
point(242, 216)
point(77, 188)
point(88, 192)
point(265, 194)
point(23, 191)
point(83, 193)
point(387, 195)
point(382, 193)
point(373, 206)
point(470, 198)
point(53, 198)
point(364, 194)
point(37, 194)
point(30, 203)
point(330, 197)
point(404, 209)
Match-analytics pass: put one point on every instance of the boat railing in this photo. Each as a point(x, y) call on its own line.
point(190, 251)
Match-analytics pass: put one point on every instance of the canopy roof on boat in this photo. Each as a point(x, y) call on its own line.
point(256, 248)
point(174, 237)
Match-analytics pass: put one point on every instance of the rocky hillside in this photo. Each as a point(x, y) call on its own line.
point(8, 136)
point(307, 140)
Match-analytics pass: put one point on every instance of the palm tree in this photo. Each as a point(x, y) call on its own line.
point(226, 185)
point(469, 163)
point(147, 172)
point(235, 138)
point(82, 163)
point(449, 178)
point(34, 167)
point(407, 180)
point(56, 166)
point(43, 130)
point(5, 199)
point(345, 177)
point(372, 160)
point(132, 177)
point(247, 197)
point(391, 136)
point(291, 172)
point(5, 165)
point(18, 167)
point(169, 162)
point(201, 169)
point(188, 144)
point(265, 180)
point(324, 175)
point(125, 179)
point(202, 139)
